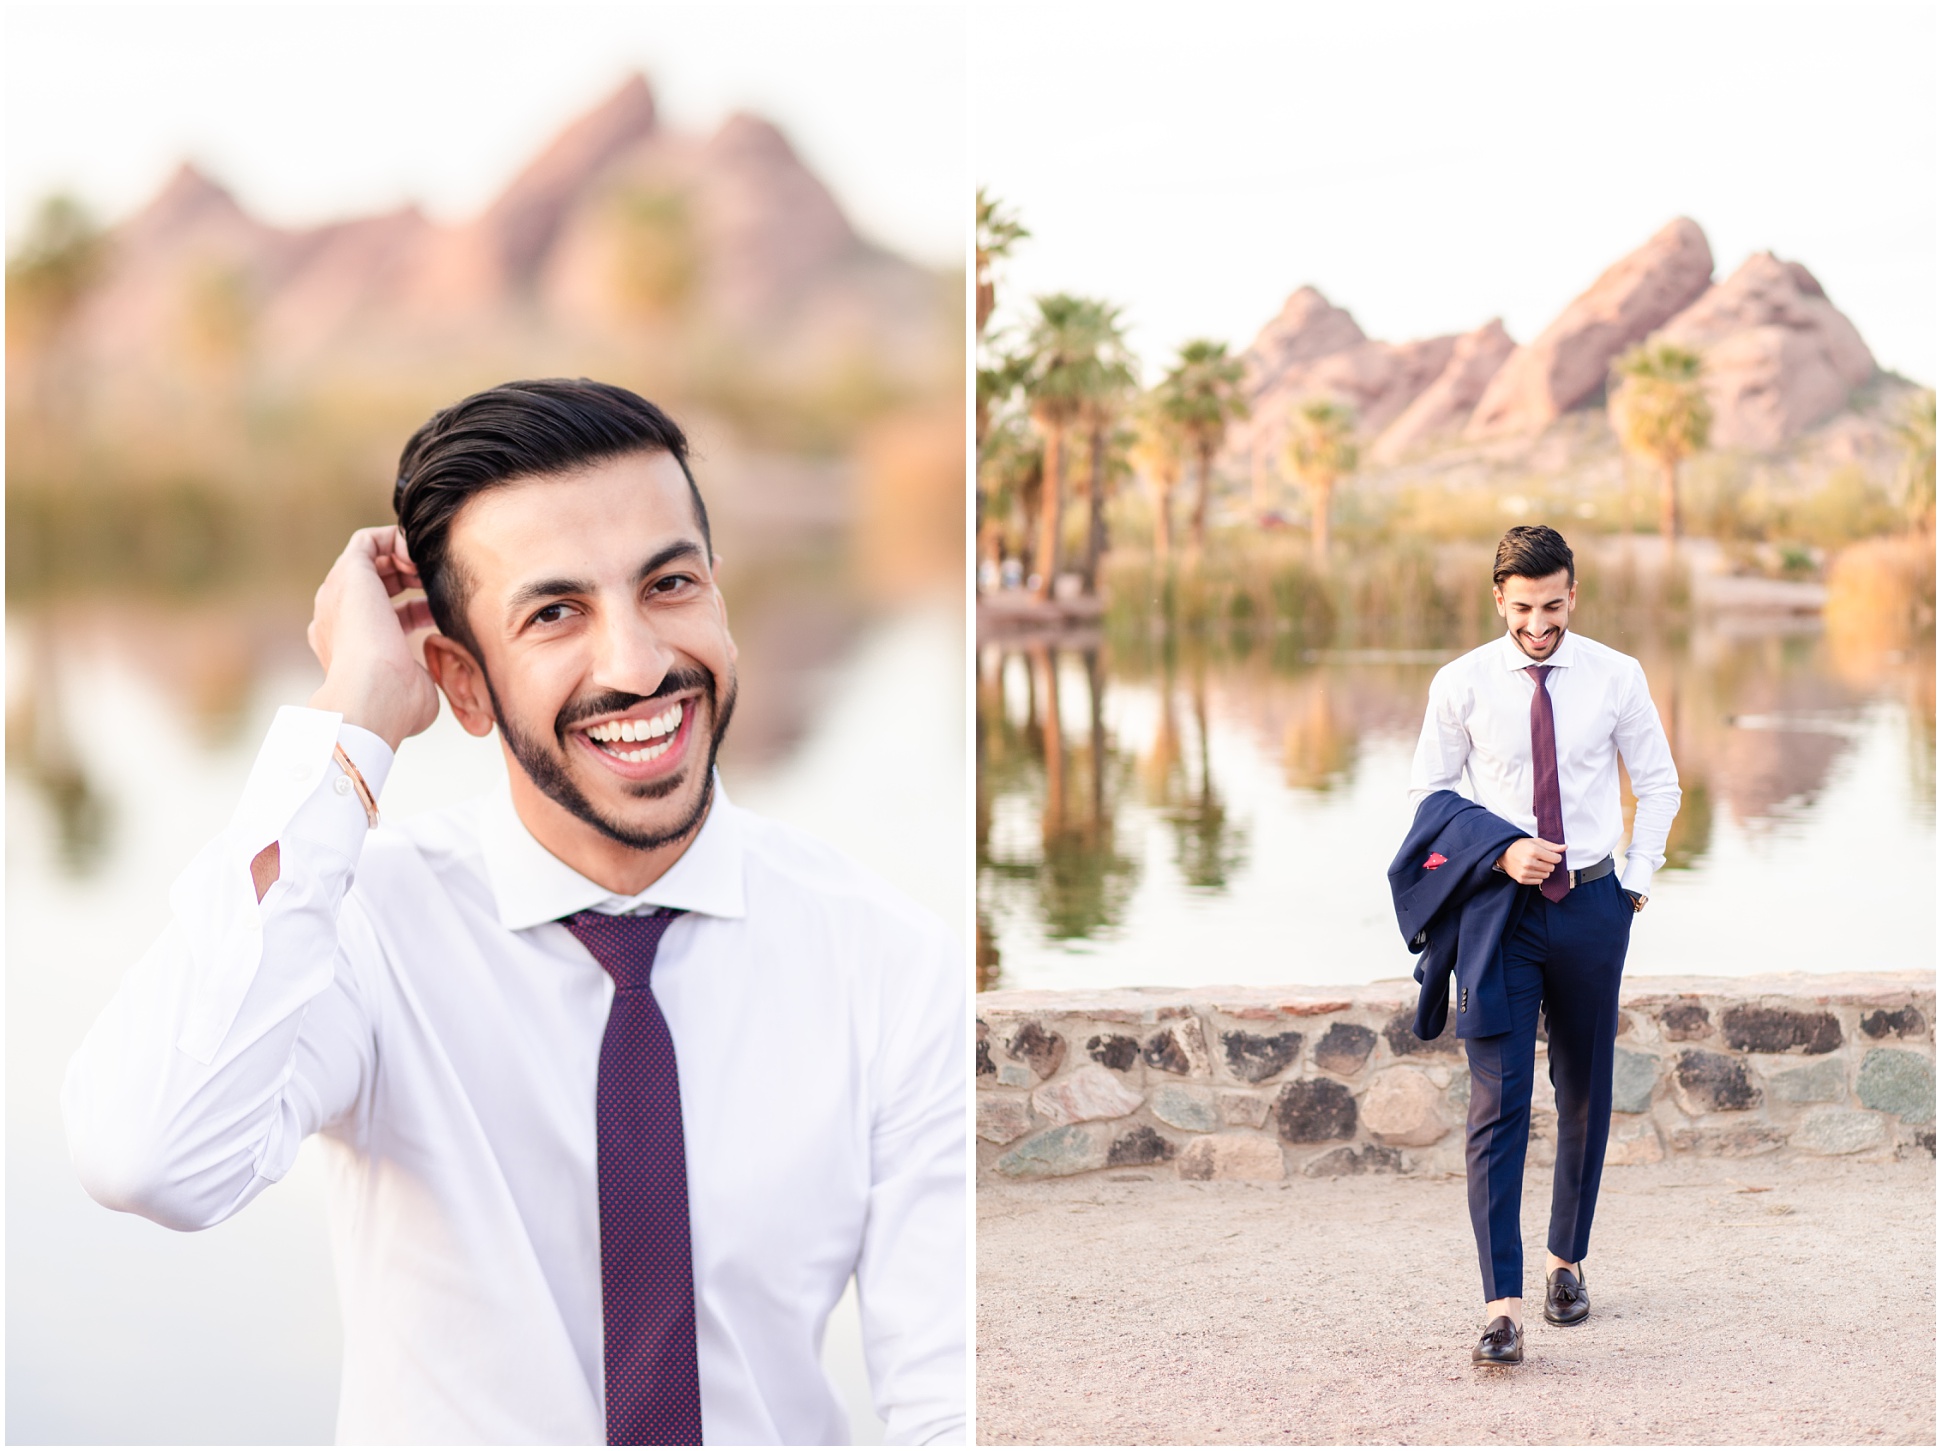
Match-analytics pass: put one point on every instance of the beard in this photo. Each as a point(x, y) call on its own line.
point(1556, 640)
point(545, 763)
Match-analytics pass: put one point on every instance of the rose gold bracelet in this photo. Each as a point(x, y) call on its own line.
point(356, 778)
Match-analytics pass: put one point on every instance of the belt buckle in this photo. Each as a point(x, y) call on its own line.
point(1573, 881)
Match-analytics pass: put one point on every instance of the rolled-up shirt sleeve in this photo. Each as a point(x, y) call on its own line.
point(1640, 738)
point(1442, 750)
point(911, 1273)
point(243, 1029)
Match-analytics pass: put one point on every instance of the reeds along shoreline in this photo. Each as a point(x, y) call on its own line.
point(1405, 595)
point(1415, 594)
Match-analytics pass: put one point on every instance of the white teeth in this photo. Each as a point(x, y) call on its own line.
point(648, 754)
point(664, 724)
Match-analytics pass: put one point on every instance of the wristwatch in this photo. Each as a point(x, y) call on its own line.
point(1638, 899)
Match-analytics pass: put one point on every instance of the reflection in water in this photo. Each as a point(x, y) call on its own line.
point(1072, 866)
point(40, 749)
point(1691, 829)
point(1251, 766)
point(1208, 847)
point(1318, 747)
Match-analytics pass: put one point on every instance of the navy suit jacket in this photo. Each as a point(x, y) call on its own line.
point(1455, 911)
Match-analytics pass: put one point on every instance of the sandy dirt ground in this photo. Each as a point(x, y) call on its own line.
point(1733, 1302)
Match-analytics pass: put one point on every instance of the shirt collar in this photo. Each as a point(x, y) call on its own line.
point(1514, 658)
point(530, 885)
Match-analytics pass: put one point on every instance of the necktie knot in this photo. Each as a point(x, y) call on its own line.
point(623, 945)
point(1537, 673)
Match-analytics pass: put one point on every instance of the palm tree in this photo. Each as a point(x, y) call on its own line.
point(1160, 452)
point(1201, 395)
point(48, 277)
point(1320, 451)
point(1073, 356)
point(1108, 446)
point(996, 381)
point(996, 232)
point(1009, 475)
point(1113, 375)
point(1660, 411)
point(51, 271)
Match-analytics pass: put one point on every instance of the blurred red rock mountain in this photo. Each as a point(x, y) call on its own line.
point(693, 265)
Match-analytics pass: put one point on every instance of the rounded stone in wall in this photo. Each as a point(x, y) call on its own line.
point(1402, 1106)
point(1314, 1111)
point(1896, 1081)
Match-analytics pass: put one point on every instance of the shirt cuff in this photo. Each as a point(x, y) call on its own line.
point(368, 753)
point(293, 795)
point(1637, 875)
point(296, 788)
point(333, 815)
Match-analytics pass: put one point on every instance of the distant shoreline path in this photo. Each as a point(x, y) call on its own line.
point(1737, 1302)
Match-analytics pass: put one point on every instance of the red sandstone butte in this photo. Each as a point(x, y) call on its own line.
point(1314, 349)
point(1779, 357)
point(1439, 411)
point(1571, 359)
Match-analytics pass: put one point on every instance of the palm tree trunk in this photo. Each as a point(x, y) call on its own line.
point(1051, 510)
point(1200, 502)
point(1318, 533)
point(1668, 502)
point(1046, 660)
point(1095, 504)
point(1162, 520)
point(1095, 681)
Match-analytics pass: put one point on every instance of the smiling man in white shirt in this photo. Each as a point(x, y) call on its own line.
point(618, 1084)
point(1537, 719)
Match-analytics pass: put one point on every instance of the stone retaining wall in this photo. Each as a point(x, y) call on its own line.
point(1264, 1083)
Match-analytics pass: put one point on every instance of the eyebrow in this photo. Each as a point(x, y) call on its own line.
point(528, 595)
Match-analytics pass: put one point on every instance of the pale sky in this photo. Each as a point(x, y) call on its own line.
point(1430, 166)
point(310, 112)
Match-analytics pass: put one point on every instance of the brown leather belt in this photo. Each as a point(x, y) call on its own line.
point(1592, 872)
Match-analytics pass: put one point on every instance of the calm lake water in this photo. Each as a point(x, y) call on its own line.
point(130, 737)
point(1173, 814)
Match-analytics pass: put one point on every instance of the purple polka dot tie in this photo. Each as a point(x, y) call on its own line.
point(646, 1254)
point(1549, 793)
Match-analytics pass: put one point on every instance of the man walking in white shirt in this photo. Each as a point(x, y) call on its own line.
point(1538, 719)
point(618, 1084)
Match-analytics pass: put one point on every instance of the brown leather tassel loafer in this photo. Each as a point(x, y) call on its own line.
point(1502, 1344)
point(1566, 1299)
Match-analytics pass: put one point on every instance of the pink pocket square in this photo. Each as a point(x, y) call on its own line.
point(1435, 860)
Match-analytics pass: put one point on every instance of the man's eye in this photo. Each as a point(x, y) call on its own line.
point(551, 615)
point(668, 583)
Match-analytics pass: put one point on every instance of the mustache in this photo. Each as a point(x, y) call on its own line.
point(676, 682)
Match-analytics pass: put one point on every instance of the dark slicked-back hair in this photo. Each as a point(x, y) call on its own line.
point(515, 431)
point(1533, 551)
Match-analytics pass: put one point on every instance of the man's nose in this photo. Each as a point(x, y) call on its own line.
point(630, 657)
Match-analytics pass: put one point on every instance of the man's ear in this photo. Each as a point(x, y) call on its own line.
point(458, 674)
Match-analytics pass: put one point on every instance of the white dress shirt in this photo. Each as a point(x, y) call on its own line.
point(440, 1032)
point(1479, 720)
